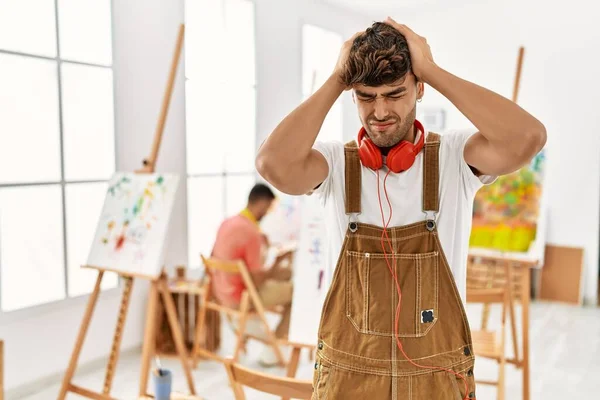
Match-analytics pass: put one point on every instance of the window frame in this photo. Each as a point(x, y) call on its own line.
point(223, 174)
point(69, 301)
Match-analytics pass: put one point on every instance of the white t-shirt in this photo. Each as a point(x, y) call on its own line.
point(458, 185)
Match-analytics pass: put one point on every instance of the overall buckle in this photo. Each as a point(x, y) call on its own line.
point(353, 224)
point(430, 223)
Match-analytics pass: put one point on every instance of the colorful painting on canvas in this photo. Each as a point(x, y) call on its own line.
point(130, 235)
point(506, 213)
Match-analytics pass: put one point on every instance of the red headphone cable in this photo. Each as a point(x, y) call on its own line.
point(394, 275)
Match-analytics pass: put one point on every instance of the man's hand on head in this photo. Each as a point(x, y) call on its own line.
point(420, 52)
point(340, 66)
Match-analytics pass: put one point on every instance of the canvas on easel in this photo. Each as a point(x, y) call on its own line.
point(132, 229)
point(509, 227)
point(312, 273)
point(509, 216)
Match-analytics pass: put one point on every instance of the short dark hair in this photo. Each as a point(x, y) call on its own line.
point(260, 191)
point(379, 56)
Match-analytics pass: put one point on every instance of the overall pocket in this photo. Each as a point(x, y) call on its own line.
point(371, 294)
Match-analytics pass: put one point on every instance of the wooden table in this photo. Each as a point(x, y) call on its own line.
point(521, 285)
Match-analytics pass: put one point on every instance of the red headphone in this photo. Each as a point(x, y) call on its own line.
point(400, 158)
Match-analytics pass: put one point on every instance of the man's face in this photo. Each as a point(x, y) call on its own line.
point(388, 112)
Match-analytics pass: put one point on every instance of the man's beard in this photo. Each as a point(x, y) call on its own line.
point(385, 140)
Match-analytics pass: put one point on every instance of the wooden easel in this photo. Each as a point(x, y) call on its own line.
point(515, 95)
point(522, 283)
point(157, 286)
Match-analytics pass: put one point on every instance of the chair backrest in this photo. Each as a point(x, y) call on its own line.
point(495, 295)
point(236, 267)
point(240, 376)
point(489, 272)
point(213, 264)
point(493, 291)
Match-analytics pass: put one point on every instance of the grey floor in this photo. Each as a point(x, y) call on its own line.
point(565, 355)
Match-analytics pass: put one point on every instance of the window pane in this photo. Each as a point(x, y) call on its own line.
point(241, 154)
point(205, 214)
point(231, 20)
point(204, 21)
point(320, 49)
point(29, 127)
point(237, 189)
point(31, 246)
point(88, 121)
point(220, 138)
point(84, 205)
point(85, 31)
point(204, 146)
point(28, 26)
point(239, 35)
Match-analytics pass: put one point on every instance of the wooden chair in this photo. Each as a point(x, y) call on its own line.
point(292, 366)
point(250, 307)
point(486, 274)
point(279, 386)
point(491, 344)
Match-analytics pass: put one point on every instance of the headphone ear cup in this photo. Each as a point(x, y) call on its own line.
point(370, 155)
point(401, 157)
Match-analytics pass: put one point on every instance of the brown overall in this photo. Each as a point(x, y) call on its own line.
point(357, 354)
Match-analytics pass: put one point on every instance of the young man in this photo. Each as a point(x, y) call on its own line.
point(399, 202)
point(239, 238)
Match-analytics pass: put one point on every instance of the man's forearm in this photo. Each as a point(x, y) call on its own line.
point(498, 119)
point(259, 277)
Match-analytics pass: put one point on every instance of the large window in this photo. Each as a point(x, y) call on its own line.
point(320, 51)
point(57, 145)
point(220, 115)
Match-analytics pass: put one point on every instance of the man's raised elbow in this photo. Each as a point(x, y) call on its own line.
point(535, 140)
point(264, 167)
point(270, 171)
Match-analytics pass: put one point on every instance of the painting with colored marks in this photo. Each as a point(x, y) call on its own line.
point(506, 213)
point(131, 233)
point(312, 271)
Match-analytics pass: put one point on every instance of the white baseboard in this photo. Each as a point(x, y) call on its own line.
point(38, 385)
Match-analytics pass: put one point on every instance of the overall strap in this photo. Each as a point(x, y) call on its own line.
point(431, 174)
point(353, 177)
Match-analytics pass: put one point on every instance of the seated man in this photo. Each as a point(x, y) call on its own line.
point(239, 238)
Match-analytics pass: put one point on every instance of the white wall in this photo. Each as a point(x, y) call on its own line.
point(560, 86)
point(38, 342)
